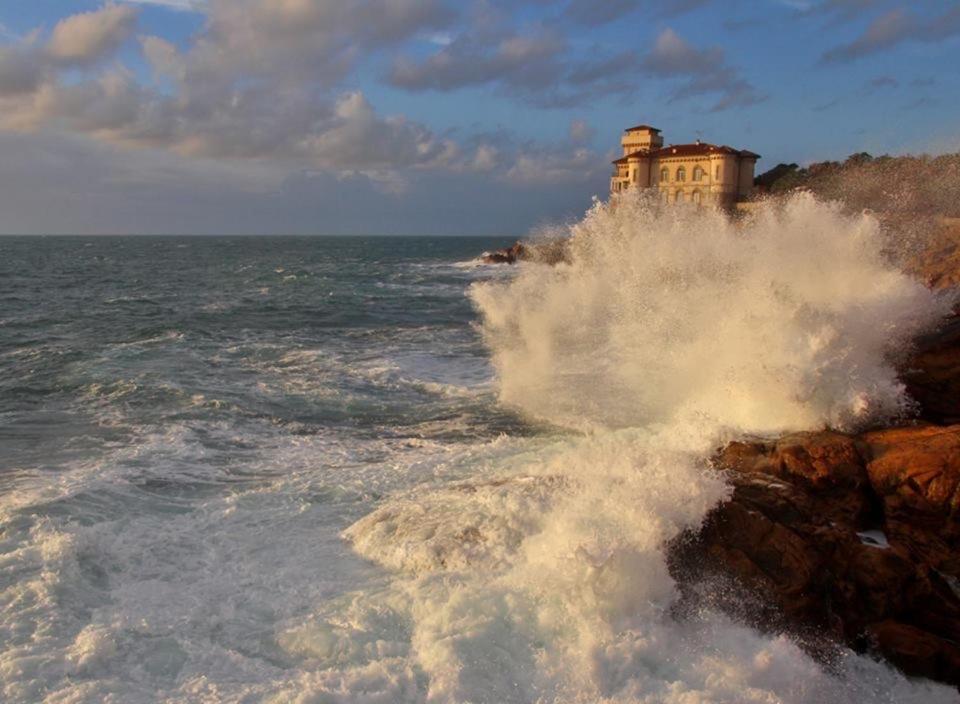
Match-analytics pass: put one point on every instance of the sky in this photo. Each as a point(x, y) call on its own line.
point(438, 117)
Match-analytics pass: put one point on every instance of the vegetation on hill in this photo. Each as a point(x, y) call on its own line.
point(914, 185)
point(913, 196)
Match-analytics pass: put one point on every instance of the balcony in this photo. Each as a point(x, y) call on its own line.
point(618, 184)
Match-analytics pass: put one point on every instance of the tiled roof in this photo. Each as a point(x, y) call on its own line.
point(698, 149)
point(638, 128)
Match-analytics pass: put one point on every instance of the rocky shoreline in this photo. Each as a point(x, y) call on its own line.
point(839, 538)
point(850, 538)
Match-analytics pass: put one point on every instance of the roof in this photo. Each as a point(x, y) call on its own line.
point(640, 128)
point(697, 149)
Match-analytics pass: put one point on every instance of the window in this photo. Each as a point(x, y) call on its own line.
point(664, 174)
point(696, 197)
point(665, 196)
point(681, 174)
point(679, 197)
point(698, 174)
point(718, 172)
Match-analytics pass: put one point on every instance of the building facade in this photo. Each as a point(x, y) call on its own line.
point(701, 173)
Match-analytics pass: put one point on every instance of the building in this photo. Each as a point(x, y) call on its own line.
point(683, 173)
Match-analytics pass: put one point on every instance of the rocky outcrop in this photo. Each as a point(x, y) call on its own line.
point(507, 255)
point(848, 538)
point(853, 536)
point(932, 374)
point(549, 251)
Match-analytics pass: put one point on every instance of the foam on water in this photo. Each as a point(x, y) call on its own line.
point(669, 331)
point(190, 549)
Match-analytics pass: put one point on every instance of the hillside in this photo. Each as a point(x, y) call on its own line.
point(917, 198)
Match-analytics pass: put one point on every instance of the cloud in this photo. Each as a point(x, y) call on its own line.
point(591, 13)
point(20, 71)
point(470, 60)
point(259, 82)
point(58, 183)
point(893, 28)
point(88, 37)
point(181, 5)
point(536, 67)
point(705, 72)
point(839, 10)
point(826, 106)
point(6, 33)
point(315, 40)
point(357, 138)
point(78, 41)
point(879, 83)
point(581, 132)
point(885, 31)
point(260, 88)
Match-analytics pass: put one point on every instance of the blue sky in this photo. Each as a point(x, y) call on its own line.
point(433, 116)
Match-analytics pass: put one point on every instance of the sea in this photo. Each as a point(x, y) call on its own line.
point(373, 470)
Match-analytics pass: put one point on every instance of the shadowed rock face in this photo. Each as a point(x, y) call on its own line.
point(932, 375)
point(854, 536)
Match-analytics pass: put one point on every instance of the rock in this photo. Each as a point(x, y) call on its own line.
point(553, 251)
point(932, 374)
point(508, 255)
point(856, 537)
point(915, 651)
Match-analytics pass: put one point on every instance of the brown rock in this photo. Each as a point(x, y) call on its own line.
point(793, 531)
point(508, 255)
point(915, 651)
point(921, 465)
point(932, 374)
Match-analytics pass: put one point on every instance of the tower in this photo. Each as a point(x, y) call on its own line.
point(641, 137)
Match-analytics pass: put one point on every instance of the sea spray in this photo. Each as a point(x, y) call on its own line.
point(791, 319)
point(668, 331)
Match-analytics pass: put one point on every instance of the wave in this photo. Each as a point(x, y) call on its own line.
point(669, 331)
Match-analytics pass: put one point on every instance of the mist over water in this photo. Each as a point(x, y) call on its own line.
point(306, 470)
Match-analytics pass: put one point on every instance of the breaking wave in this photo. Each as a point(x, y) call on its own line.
point(669, 330)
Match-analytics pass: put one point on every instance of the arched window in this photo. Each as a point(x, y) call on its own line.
point(681, 174)
point(696, 197)
point(664, 174)
point(679, 197)
point(697, 174)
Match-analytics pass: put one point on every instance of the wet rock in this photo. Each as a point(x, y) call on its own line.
point(551, 252)
point(856, 537)
point(932, 374)
point(508, 255)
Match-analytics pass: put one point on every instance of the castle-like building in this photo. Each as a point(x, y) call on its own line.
point(683, 173)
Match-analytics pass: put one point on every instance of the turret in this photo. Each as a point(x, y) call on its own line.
point(641, 137)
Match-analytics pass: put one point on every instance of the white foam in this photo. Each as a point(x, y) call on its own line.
point(517, 570)
point(791, 320)
point(670, 330)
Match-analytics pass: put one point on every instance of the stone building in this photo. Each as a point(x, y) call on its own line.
point(683, 173)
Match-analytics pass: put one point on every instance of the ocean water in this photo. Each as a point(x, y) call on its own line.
point(369, 470)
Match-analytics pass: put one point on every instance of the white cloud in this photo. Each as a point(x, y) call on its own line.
point(705, 72)
point(87, 37)
point(261, 83)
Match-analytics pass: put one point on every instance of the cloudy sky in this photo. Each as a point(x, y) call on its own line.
point(433, 116)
